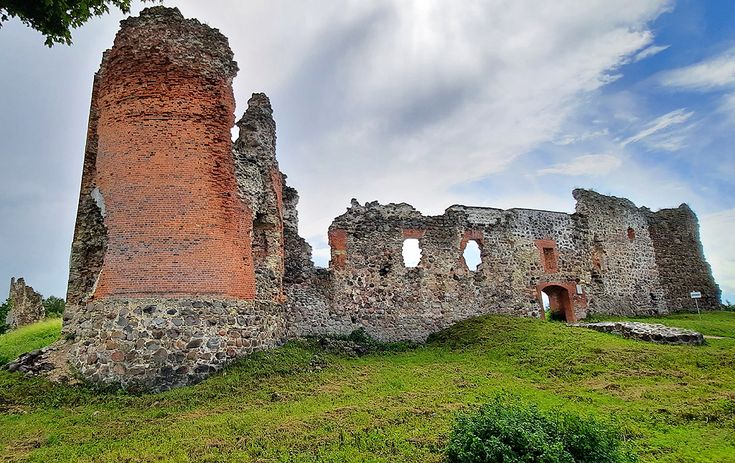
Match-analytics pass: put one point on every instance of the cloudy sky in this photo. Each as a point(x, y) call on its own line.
point(432, 102)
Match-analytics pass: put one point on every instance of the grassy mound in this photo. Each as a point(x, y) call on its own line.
point(301, 403)
point(28, 338)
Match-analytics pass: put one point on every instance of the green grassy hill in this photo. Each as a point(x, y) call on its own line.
point(301, 404)
point(28, 338)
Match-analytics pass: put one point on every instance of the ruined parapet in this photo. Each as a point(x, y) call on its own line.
point(26, 305)
point(680, 259)
point(260, 184)
point(622, 260)
point(162, 284)
point(369, 286)
point(297, 252)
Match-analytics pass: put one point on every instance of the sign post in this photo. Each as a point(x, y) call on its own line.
point(696, 295)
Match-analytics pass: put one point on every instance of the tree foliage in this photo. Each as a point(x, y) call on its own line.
point(4, 309)
point(56, 18)
point(54, 306)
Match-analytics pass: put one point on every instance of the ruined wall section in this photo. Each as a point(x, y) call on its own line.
point(298, 263)
point(680, 259)
point(27, 305)
point(368, 286)
point(90, 233)
point(260, 185)
point(624, 272)
point(524, 251)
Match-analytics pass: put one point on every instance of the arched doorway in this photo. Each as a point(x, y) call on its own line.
point(559, 303)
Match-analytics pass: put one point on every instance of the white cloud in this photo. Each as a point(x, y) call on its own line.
point(405, 100)
point(676, 117)
point(727, 106)
point(393, 100)
point(572, 139)
point(590, 164)
point(719, 247)
point(649, 51)
point(712, 73)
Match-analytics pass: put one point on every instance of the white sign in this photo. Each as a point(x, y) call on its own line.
point(695, 295)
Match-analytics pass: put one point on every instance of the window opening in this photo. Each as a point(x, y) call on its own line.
point(472, 255)
point(411, 252)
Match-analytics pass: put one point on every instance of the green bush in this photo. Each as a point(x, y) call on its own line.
point(506, 431)
point(54, 306)
point(4, 309)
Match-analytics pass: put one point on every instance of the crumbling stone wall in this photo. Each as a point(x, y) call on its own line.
point(624, 272)
point(90, 234)
point(608, 257)
point(680, 259)
point(260, 184)
point(368, 286)
point(27, 305)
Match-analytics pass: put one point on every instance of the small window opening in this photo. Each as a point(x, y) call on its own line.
point(549, 259)
point(411, 252)
point(631, 234)
point(472, 255)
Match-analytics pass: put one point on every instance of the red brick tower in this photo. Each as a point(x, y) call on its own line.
point(163, 236)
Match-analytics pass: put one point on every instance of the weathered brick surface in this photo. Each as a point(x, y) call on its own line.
point(164, 165)
point(163, 258)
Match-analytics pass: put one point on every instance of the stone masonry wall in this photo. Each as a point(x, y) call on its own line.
point(605, 258)
point(260, 184)
point(625, 274)
point(156, 343)
point(27, 305)
point(368, 286)
point(680, 259)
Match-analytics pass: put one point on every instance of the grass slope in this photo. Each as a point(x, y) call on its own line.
point(28, 338)
point(300, 404)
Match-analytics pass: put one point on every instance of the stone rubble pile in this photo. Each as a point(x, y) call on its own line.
point(651, 332)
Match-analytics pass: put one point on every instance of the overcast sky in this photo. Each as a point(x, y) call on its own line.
point(430, 102)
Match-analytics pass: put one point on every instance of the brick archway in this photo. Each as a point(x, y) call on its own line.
point(560, 301)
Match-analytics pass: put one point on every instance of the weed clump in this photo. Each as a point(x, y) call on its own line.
point(507, 431)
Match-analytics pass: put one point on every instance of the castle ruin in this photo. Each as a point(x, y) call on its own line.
point(26, 305)
point(186, 252)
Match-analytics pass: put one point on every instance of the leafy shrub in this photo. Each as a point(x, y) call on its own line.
point(4, 309)
point(506, 431)
point(54, 306)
